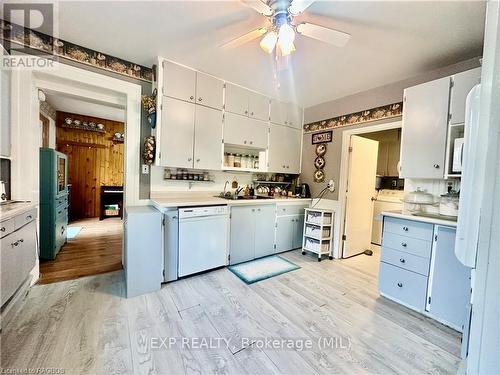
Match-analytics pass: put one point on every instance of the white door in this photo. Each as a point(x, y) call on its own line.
point(360, 189)
point(425, 123)
point(278, 148)
point(245, 131)
point(207, 138)
point(293, 138)
point(179, 82)
point(279, 112)
point(236, 99)
point(462, 84)
point(209, 90)
point(177, 133)
point(258, 106)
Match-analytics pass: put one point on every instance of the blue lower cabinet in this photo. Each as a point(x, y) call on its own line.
point(242, 235)
point(265, 217)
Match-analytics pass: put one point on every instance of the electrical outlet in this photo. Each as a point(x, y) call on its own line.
point(145, 169)
point(331, 186)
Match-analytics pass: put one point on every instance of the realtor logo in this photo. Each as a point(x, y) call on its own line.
point(26, 21)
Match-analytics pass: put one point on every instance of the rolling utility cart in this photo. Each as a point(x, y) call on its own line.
point(318, 232)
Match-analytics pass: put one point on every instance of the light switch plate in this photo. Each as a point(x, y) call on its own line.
point(145, 169)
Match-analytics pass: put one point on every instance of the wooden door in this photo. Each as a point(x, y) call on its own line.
point(179, 82)
point(208, 138)
point(425, 123)
point(82, 175)
point(177, 133)
point(359, 205)
point(209, 90)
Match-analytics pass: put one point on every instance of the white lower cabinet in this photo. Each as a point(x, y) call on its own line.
point(289, 227)
point(420, 270)
point(252, 232)
point(283, 145)
point(191, 135)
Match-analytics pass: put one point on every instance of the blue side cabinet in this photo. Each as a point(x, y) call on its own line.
point(53, 202)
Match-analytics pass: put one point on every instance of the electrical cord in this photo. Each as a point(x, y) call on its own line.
point(320, 196)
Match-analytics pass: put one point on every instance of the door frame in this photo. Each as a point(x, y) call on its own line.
point(344, 175)
point(26, 126)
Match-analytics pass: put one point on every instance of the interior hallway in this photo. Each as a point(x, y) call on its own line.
point(96, 249)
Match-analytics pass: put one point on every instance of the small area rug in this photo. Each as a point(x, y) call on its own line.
point(263, 268)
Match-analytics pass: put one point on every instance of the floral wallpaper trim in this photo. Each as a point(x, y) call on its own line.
point(374, 114)
point(61, 48)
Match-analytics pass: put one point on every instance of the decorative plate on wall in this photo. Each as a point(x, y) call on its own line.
point(319, 162)
point(319, 175)
point(321, 149)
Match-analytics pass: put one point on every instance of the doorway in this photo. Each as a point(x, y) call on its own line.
point(369, 180)
point(89, 140)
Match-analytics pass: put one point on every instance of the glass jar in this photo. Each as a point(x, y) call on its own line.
point(226, 159)
point(230, 160)
point(256, 163)
point(245, 162)
point(237, 161)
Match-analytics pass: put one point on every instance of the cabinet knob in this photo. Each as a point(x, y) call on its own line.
point(197, 160)
point(189, 159)
point(14, 244)
point(258, 209)
point(251, 113)
point(2, 229)
point(402, 260)
point(286, 122)
point(200, 99)
point(246, 112)
point(284, 166)
point(404, 244)
point(29, 217)
point(287, 167)
point(400, 285)
point(21, 240)
point(245, 142)
point(436, 166)
point(405, 229)
point(251, 142)
point(253, 209)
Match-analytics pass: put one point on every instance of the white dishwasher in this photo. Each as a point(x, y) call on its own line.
point(203, 237)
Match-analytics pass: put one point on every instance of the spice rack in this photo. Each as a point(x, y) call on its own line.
point(318, 232)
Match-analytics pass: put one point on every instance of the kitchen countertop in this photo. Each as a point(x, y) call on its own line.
point(196, 200)
point(9, 210)
point(425, 219)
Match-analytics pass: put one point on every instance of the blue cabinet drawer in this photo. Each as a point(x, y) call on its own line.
point(404, 286)
point(61, 201)
point(291, 209)
point(408, 228)
point(404, 260)
point(410, 245)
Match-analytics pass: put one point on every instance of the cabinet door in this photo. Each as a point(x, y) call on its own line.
point(242, 235)
point(294, 116)
point(177, 131)
point(236, 99)
point(265, 217)
point(284, 149)
point(394, 151)
point(284, 233)
point(209, 90)
point(279, 112)
point(298, 230)
point(258, 106)
point(179, 82)
point(425, 122)
point(383, 155)
point(207, 138)
point(244, 131)
point(5, 122)
point(462, 84)
point(450, 289)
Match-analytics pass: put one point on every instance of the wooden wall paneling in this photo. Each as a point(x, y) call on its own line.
point(95, 160)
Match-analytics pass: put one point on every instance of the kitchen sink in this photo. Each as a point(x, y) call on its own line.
point(242, 197)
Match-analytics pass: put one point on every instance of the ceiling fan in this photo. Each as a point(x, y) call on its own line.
point(281, 32)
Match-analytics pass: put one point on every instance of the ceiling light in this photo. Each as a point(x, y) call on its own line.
point(286, 49)
point(286, 36)
point(269, 41)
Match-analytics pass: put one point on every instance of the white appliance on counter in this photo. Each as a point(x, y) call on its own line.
point(386, 200)
point(203, 238)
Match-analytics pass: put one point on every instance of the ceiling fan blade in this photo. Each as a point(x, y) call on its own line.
point(245, 38)
point(259, 6)
point(324, 34)
point(298, 6)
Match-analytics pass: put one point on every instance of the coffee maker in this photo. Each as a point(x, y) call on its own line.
point(303, 191)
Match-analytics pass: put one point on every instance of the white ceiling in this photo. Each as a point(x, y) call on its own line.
point(391, 41)
point(85, 107)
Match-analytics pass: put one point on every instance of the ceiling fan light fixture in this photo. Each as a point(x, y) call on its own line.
point(268, 42)
point(286, 48)
point(286, 36)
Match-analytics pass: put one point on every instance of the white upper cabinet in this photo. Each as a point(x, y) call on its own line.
point(244, 131)
point(462, 84)
point(258, 106)
point(177, 131)
point(236, 99)
point(207, 138)
point(425, 122)
point(284, 149)
point(209, 91)
point(179, 82)
point(246, 103)
point(286, 114)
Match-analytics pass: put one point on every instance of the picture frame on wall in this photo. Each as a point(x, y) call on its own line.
point(322, 137)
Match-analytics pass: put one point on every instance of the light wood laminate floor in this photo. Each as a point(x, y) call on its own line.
point(86, 326)
point(96, 249)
